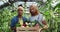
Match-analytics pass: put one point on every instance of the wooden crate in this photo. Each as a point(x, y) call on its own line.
point(27, 29)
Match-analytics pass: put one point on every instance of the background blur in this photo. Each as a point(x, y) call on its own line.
point(49, 8)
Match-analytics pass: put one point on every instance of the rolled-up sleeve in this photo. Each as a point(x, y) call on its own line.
point(41, 20)
point(12, 22)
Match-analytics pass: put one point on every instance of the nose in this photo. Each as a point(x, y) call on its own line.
point(31, 10)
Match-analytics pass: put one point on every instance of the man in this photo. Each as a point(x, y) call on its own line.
point(18, 19)
point(36, 16)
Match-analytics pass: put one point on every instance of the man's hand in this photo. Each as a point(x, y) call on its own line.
point(13, 29)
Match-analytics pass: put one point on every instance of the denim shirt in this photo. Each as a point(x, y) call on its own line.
point(14, 21)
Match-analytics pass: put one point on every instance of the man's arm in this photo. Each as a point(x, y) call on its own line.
point(13, 28)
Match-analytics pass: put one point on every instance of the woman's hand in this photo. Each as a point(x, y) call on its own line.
point(45, 27)
point(40, 29)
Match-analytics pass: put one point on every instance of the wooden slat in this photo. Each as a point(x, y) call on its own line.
point(27, 29)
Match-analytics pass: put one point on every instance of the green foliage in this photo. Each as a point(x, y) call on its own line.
point(51, 16)
point(5, 19)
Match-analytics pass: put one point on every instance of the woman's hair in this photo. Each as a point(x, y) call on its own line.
point(35, 7)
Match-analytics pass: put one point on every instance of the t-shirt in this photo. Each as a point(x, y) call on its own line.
point(20, 21)
point(38, 18)
point(15, 19)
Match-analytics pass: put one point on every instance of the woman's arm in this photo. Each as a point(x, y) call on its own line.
point(45, 26)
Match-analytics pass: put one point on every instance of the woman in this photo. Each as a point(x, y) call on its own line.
point(36, 16)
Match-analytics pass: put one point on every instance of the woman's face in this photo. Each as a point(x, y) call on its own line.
point(32, 10)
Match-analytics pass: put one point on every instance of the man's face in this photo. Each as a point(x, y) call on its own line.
point(32, 10)
point(20, 10)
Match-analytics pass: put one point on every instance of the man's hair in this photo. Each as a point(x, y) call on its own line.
point(20, 5)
